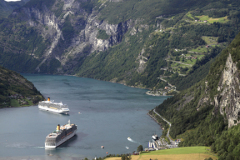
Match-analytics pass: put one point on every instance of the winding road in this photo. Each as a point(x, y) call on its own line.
point(180, 62)
point(172, 142)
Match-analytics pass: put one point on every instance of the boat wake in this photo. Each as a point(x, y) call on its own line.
point(39, 147)
point(131, 140)
point(19, 145)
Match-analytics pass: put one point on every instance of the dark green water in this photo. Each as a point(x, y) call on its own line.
point(109, 114)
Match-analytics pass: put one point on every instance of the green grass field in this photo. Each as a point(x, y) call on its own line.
point(190, 16)
point(174, 64)
point(200, 49)
point(181, 150)
point(182, 153)
point(14, 102)
point(192, 61)
point(212, 20)
point(210, 40)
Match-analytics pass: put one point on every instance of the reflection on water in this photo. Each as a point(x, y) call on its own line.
point(105, 113)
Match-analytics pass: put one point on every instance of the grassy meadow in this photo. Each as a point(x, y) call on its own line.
point(182, 153)
point(212, 20)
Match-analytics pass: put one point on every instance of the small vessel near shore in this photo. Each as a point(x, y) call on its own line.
point(60, 135)
point(53, 107)
point(154, 137)
point(129, 139)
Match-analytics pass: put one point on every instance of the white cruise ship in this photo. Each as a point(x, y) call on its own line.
point(61, 135)
point(53, 107)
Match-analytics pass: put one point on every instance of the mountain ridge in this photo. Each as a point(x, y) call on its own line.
point(209, 109)
point(73, 37)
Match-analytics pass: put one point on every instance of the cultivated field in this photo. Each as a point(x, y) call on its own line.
point(183, 153)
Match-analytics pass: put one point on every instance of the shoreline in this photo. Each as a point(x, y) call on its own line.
point(155, 120)
point(18, 107)
point(148, 92)
point(156, 94)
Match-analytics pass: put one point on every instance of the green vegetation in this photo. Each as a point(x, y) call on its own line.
point(140, 148)
point(40, 3)
point(16, 90)
point(198, 71)
point(200, 49)
point(14, 102)
point(185, 112)
point(148, 34)
point(212, 20)
point(126, 157)
point(102, 35)
point(181, 150)
point(6, 8)
point(192, 114)
point(148, 9)
point(190, 16)
point(217, 67)
point(227, 145)
point(189, 39)
point(59, 8)
point(116, 61)
point(68, 31)
point(210, 40)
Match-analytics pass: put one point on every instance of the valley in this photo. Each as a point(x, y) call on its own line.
point(187, 50)
point(81, 38)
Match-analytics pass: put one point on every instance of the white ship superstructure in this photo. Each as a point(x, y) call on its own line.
point(53, 107)
point(61, 135)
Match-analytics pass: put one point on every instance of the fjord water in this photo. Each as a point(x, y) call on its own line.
point(106, 115)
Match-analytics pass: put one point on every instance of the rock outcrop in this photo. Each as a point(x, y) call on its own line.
point(228, 99)
point(85, 27)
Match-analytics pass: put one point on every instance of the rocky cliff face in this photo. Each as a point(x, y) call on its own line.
point(82, 26)
point(213, 104)
point(125, 41)
point(88, 37)
point(228, 99)
point(42, 20)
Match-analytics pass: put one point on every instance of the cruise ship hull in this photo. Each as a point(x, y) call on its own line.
point(60, 111)
point(61, 141)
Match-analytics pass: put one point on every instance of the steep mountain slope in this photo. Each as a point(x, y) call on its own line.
point(201, 113)
point(137, 43)
point(16, 90)
point(6, 8)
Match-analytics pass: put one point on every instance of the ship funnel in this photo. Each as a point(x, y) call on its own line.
point(48, 98)
point(58, 127)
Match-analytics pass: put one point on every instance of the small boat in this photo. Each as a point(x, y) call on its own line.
point(129, 138)
point(155, 137)
point(102, 147)
point(127, 147)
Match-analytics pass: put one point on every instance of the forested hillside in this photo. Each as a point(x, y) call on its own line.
point(6, 8)
point(138, 43)
point(16, 91)
point(205, 113)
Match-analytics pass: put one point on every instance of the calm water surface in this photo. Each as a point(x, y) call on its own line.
point(106, 114)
